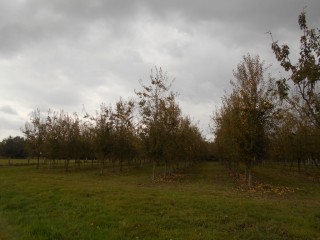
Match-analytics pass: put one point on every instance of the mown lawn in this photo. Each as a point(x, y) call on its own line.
point(202, 202)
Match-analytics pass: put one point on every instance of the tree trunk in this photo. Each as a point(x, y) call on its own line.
point(38, 161)
point(129, 163)
point(249, 174)
point(315, 162)
point(283, 159)
point(230, 165)
point(249, 178)
point(102, 167)
point(113, 164)
point(165, 168)
point(153, 169)
point(66, 163)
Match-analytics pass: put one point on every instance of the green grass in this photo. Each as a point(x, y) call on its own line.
point(204, 204)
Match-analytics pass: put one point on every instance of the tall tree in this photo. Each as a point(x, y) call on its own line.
point(305, 74)
point(245, 117)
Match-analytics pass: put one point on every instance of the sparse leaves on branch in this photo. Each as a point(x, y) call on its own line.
point(305, 74)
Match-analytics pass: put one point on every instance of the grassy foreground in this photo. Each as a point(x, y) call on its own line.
point(201, 203)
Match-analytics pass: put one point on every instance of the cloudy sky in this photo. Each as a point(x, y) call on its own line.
point(66, 54)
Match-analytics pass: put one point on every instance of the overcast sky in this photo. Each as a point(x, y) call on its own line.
point(66, 54)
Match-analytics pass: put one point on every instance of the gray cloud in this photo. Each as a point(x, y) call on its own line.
point(8, 110)
point(10, 126)
point(63, 54)
point(26, 23)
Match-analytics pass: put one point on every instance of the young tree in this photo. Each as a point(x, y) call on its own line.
point(226, 132)
point(152, 102)
point(35, 134)
point(103, 133)
point(87, 145)
point(170, 118)
point(124, 135)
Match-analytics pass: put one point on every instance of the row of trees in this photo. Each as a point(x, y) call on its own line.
point(150, 129)
point(262, 118)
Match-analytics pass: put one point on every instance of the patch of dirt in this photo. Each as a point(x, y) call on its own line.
point(261, 187)
point(170, 177)
point(314, 178)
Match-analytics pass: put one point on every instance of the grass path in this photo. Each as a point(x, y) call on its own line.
point(202, 203)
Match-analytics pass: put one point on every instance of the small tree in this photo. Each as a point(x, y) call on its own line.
point(35, 134)
point(103, 135)
point(124, 135)
point(226, 132)
point(153, 99)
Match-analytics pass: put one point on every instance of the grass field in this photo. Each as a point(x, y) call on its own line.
point(200, 203)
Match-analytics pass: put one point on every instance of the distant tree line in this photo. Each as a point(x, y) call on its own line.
point(151, 129)
point(13, 148)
